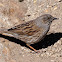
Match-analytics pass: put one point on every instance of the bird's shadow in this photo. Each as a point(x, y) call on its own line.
point(47, 41)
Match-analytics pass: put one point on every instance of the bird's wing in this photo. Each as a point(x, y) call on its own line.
point(28, 28)
point(28, 32)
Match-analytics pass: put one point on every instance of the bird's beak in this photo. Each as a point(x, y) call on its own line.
point(55, 18)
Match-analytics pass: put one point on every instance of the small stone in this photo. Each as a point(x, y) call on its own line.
point(21, 0)
point(60, 0)
point(35, 1)
point(55, 8)
point(52, 61)
point(22, 48)
point(46, 10)
point(1, 45)
point(6, 51)
point(1, 4)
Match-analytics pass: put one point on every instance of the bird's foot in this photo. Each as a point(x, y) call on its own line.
point(33, 48)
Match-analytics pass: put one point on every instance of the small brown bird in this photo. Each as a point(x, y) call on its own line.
point(32, 31)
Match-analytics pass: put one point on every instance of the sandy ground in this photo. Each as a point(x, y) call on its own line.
point(14, 50)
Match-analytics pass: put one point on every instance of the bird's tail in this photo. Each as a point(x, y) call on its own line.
point(5, 32)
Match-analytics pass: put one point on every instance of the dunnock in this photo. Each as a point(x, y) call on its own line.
point(32, 31)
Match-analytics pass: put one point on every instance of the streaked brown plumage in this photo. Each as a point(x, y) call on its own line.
point(32, 31)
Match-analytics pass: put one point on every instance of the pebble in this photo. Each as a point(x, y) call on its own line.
point(35, 1)
point(1, 46)
point(1, 4)
point(52, 60)
point(60, 0)
point(6, 51)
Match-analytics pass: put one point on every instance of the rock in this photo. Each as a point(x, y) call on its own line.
point(12, 12)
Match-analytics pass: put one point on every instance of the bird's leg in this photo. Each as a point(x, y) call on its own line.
point(32, 48)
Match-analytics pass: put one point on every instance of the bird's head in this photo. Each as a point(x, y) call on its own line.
point(47, 18)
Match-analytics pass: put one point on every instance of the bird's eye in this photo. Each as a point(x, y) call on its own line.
point(48, 17)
